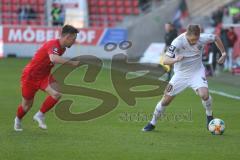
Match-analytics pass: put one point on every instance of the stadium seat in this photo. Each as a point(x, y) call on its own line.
point(102, 10)
point(110, 3)
point(5, 1)
point(15, 22)
point(135, 3)
point(120, 10)
point(40, 2)
point(111, 18)
point(136, 11)
point(101, 3)
point(15, 1)
point(128, 11)
point(14, 8)
point(111, 10)
point(93, 10)
point(40, 9)
point(23, 2)
point(6, 8)
point(128, 3)
point(14, 16)
point(119, 18)
point(119, 3)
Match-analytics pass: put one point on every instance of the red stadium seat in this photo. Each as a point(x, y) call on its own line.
point(23, 2)
point(93, 2)
point(14, 16)
point(110, 3)
point(120, 10)
point(111, 24)
point(101, 3)
point(136, 11)
point(15, 22)
point(102, 10)
point(6, 21)
point(32, 2)
point(93, 17)
point(135, 3)
point(40, 2)
point(5, 2)
point(33, 22)
point(110, 10)
point(128, 3)
point(6, 8)
point(15, 8)
point(15, 1)
point(6, 15)
point(119, 18)
point(24, 22)
point(128, 11)
point(41, 9)
point(111, 18)
point(93, 10)
point(119, 3)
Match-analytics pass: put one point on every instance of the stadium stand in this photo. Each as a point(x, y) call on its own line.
point(108, 13)
point(10, 12)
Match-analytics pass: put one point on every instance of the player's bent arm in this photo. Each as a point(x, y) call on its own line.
point(60, 60)
point(170, 61)
point(220, 46)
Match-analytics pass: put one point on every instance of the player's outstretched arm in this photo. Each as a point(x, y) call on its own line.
point(220, 46)
point(170, 61)
point(60, 60)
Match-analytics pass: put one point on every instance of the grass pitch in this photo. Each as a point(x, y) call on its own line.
point(181, 134)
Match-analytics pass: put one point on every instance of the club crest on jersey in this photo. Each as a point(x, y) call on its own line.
point(55, 50)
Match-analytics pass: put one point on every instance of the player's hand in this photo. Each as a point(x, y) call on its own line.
point(222, 58)
point(179, 58)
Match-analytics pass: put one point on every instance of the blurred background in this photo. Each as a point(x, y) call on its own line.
point(150, 25)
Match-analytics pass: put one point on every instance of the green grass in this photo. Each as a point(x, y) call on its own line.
point(112, 136)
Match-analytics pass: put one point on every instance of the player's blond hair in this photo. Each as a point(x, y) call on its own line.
point(193, 29)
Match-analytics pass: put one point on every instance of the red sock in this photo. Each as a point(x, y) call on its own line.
point(20, 112)
point(48, 104)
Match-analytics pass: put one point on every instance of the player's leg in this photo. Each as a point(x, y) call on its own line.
point(207, 102)
point(50, 101)
point(158, 112)
point(175, 86)
point(28, 93)
point(200, 85)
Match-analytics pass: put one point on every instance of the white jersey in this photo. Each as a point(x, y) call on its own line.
point(192, 61)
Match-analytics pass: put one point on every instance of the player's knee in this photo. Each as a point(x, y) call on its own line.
point(205, 97)
point(165, 102)
point(56, 95)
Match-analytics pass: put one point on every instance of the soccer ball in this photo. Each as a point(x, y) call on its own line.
point(216, 126)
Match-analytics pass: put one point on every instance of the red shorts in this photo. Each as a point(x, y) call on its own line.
point(31, 86)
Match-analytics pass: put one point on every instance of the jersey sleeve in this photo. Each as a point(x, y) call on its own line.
point(208, 38)
point(173, 49)
point(53, 50)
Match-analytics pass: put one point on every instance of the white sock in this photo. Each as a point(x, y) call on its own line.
point(39, 113)
point(157, 113)
point(208, 106)
point(18, 120)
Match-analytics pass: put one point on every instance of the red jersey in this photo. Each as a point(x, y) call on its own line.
point(40, 66)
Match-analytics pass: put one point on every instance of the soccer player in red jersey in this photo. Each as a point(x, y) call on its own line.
point(36, 75)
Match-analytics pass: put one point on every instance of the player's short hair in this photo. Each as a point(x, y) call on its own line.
point(68, 29)
point(193, 29)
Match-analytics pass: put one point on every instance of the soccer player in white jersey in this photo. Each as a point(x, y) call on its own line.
point(185, 53)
